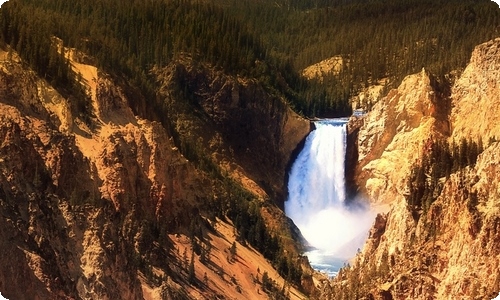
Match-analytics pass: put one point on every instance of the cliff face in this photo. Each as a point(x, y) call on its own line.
point(251, 132)
point(391, 137)
point(450, 248)
point(475, 99)
point(101, 206)
point(79, 198)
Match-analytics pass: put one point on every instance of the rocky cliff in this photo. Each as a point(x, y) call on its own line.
point(448, 248)
point(105, 206)
point(248, 130)
point(390, 138)
point(475, 98)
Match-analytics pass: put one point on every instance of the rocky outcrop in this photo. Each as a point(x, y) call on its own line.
point(329, 66)
point(394, 134)
point(475, 98)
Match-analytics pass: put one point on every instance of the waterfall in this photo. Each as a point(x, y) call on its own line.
point(317, 198)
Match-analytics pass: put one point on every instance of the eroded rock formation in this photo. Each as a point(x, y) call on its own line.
point(449, 249)
point(99, 206)
point(392, 136)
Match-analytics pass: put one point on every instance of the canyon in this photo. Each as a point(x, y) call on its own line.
point(132, 199)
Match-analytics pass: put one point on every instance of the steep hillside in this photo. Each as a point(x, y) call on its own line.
point(248, 130)
point(442, 243)
point(390, 138)
point(105, 206)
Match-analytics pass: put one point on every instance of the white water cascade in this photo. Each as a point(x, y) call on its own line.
point(317, 199)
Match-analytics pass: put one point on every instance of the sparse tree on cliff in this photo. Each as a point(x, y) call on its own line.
point(232, 250)
point(191, 273)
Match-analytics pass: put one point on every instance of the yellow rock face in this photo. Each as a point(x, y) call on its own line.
point(394, 135)
point(476, 95)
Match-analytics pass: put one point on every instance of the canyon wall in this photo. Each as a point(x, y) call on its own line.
point(447, 248)
point(251, 132)
point(389, 139)
point(100, 205)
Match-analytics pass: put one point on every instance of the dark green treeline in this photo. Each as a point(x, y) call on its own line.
point(129, 38)
point(267, 40)
point(378, 38)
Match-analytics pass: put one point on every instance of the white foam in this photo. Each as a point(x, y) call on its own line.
point(317, 197)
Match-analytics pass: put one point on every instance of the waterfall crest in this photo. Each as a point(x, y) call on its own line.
point(317, 197)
